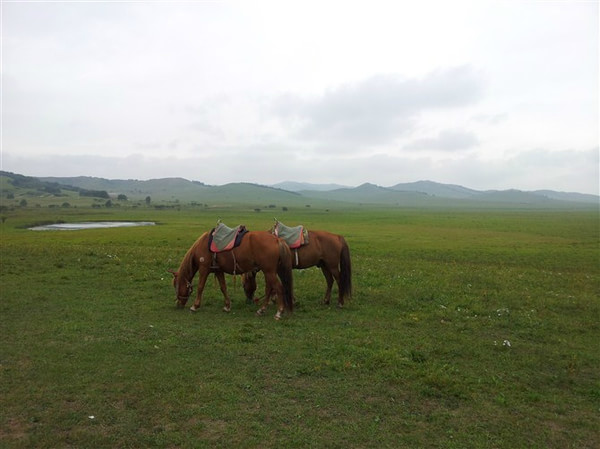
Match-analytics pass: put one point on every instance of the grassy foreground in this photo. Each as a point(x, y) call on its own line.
point(466, 330)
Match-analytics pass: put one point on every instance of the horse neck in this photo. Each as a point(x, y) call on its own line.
point(187, 270)
point(189, 264)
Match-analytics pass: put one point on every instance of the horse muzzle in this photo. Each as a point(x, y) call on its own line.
point(180, 301)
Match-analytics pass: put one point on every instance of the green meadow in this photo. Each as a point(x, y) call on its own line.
point(467, 329)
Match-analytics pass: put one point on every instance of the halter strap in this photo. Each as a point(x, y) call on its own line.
point(190, 289)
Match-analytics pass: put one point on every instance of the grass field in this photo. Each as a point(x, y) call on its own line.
point(473, 329)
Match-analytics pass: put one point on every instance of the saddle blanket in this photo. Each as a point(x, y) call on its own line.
point(223, 238)
point(295, 237)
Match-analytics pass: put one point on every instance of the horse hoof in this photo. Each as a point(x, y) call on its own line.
point(260, 312)
point(193, 309)
point(340, 306)
point(227, 309)
point(278, 316)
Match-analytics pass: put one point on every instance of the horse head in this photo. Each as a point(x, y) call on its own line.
point(183, 290)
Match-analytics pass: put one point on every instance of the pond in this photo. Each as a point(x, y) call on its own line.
point(91, 225)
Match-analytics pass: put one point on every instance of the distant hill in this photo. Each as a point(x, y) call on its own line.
point(180, 190)
point(436, 189)
point(512, 196)
point(164, 188)
point(429, 192)
point(183, 190)
point(569, 196)
point(299, 186)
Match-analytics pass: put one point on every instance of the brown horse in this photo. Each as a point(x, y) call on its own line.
point(258, 250)
point(325, 250)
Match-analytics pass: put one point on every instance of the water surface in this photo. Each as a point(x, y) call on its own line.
point(91, 225)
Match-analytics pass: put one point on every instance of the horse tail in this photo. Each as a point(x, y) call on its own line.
point(345, 271)
point(284, 271)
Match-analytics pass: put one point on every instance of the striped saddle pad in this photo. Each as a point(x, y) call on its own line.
point(223, 238)
point(294, 236)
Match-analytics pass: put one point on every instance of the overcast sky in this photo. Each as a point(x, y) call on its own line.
point(486, 94)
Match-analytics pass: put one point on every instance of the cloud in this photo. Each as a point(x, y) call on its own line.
point(454, 98)
point(381, 108)
point(447, 140)
point(571, 169)
point(490, 119)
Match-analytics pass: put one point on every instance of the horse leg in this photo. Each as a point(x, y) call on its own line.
point(272, 287)
point(202, 275)
point(221, 278)
point(278, 290)
point(266, 300)
point(335, 272)
point(329, 280)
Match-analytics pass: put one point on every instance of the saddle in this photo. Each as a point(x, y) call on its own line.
point(295, 237)
point(223, 238)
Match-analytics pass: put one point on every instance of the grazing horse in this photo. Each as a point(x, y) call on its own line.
point(258, 250)
point(325, 250)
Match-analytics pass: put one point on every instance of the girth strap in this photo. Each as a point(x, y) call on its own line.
point(236, 268)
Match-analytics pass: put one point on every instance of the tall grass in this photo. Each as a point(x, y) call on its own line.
point(466, 329)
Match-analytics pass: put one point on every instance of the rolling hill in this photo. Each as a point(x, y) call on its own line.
point(293, 186)
point(436, 189)
point(183, 191)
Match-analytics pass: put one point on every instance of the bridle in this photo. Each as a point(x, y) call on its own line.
point(190, 289)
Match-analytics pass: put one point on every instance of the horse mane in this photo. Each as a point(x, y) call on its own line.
point(189, 264)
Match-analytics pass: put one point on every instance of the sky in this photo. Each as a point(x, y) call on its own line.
point(484, 94)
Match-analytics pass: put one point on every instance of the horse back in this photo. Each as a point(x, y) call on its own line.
point(322, 247)
point(326, 242)
point(259, 248)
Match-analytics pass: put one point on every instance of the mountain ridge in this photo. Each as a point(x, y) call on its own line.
point(417, 194)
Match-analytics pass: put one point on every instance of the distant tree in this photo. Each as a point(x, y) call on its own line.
point(108, 203)
point(257, 210)
point(148, 200)
point(23, 203)
point(284, 209)
point(122, 197)
point(94, 193)
point(51, 188)
point(10, 196)
point(65, 204)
